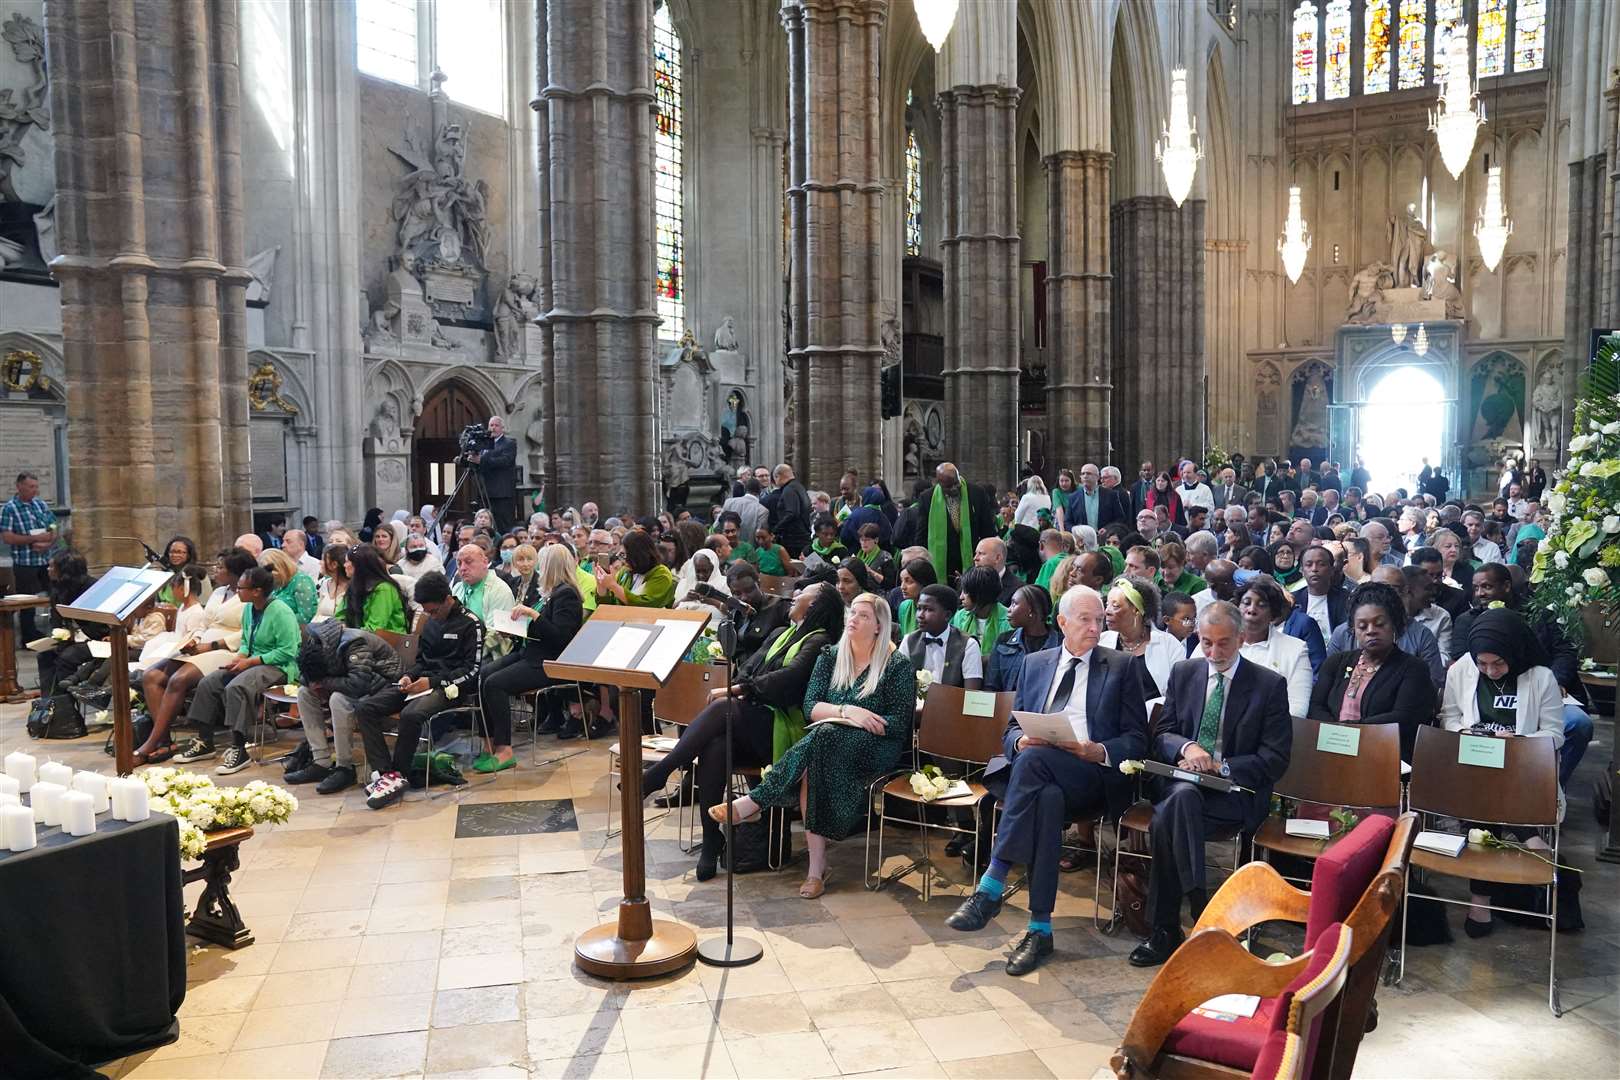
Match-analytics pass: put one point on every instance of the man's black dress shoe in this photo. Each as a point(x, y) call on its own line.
point(1027, 956)
point(1157, 948)
point(975, 913)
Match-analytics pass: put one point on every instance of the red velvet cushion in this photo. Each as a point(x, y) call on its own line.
point(1270, 1061)
point(1238, 1043)
point(1343, 873)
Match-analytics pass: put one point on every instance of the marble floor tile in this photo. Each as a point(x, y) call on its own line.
point(886, 1045)
point(382, 1015)
point(969, 1035)
point(786, 1056)
point(274, 1062)
point(400, 1054)
point(459, 1050)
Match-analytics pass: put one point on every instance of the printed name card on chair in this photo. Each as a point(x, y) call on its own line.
point(636, 650)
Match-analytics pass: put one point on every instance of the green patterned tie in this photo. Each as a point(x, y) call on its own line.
point(1210, 726)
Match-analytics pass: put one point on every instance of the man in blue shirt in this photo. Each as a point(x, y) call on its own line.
point(29, 527)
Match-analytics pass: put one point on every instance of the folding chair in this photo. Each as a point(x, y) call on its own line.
point(1522, 793)
point(676, 703)
point(943, 732)
point(1369, 779)
point(1138, 818)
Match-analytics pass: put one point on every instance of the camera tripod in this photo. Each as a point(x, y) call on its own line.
point(471, 470)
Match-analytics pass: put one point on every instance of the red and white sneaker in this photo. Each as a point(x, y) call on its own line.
point(385, 789)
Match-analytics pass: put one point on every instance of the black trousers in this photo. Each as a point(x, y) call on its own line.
point(371, 715)
point(1183, 815)
point(704, 741)
point(29, 579)
point(503, 680)
point(501, 509)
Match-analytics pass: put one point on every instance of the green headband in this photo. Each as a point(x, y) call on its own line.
point(1133, 594)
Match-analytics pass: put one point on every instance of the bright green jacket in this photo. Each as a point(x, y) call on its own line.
point(299, 594)
point(272, 636)
point(383, 610)
point(657, 588)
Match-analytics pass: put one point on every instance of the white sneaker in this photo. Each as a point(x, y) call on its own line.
point(195, 750)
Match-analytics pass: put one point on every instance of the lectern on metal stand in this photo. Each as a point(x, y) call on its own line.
point(112, 602)
point(634, 649)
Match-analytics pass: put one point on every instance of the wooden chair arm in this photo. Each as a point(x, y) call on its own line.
point(1253, 895)
point(1208, 964)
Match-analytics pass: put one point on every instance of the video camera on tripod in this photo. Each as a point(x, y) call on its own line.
point(474, 439)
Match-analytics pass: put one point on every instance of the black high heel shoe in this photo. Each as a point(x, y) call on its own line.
point(708, 863)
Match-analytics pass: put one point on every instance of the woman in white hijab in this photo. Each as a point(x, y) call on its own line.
point(704, 566)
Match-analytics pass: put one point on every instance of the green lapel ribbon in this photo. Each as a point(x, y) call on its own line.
point(939, 530)
point(787, 725)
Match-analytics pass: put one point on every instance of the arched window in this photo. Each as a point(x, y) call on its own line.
point(1336, 50)
point(1530, 35)
point(1305, 48)
point(1413, 38)
point(913, 194)
point(1376, 53)
point(667, 193)
point(405, 41)
point(1492, 39)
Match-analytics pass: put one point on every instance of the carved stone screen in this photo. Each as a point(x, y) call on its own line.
point(28, 443)
point(269, 455)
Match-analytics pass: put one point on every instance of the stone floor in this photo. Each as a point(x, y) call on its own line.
point(387, 946)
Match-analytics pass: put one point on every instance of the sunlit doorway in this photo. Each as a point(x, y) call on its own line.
point(1402, 423)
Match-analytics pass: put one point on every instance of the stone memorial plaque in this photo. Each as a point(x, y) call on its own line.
point(516, 818)
point(28, 444)
point(267, 450)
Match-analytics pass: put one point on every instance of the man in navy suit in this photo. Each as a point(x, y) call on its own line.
point(1223, 716)
point(1095, 505)
point(1049, 784)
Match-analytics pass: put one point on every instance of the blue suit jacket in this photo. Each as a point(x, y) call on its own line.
point(1257, 734)
point(1300, 624)
point(1115, 711)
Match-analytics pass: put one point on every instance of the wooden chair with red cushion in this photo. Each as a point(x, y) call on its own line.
point(1358, 882)
point(1290, 1049)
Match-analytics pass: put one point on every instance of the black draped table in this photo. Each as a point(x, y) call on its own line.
point(93, 947)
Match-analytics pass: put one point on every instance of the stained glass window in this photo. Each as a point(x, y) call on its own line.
point(1530, 35)
point(1305, 48)
point(1336, 50)
point(1413, 35)
point(913, 195)
point(1375, 48)
point(667, 192)
point(1448, 16)
point(1491, 41)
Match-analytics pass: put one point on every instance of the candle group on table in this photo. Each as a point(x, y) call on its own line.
point(17, 827)
point(54, 772)
point(46, 798)
point(21, 768)
point(77, 813)
point(95, 786)
point(130, 800)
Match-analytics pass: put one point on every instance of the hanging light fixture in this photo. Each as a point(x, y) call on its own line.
point(1420, 344)
point(1397, 333)
point(936, 17)
point(1295, 242)
point(1179, 149)
point(1492, 228)
point(1459, 117)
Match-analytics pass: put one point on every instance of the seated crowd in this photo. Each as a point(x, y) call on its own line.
point(1184, 619)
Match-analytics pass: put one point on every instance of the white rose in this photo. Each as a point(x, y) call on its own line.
point(1611, 524)
point(1478, 836)
point(1596, 577)
point(1561, 560)
point(1589, 468)
point(1556, 501)
point(1580, 443)
point(452, 692)
point(1611, 428)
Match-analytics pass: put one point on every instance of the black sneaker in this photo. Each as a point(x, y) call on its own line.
point(975, 913)
point(385, 789)
point(1028, 954)
point(234, 760)
point(195, 750)
point(313, 773)
point(299, 758)
point(336, 780)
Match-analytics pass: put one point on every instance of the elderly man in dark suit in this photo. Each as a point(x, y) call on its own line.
point(1226, 717)
point(1049, 784)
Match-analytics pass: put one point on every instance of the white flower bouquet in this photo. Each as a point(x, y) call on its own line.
point(928, 783)
point(202, 807)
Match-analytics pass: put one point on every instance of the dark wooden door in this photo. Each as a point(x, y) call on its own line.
point(448, 410)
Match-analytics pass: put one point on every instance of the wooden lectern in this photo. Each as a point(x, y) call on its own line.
point(634, 649)
point(113, 601)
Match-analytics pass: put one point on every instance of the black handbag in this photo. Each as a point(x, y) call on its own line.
point(55, 717)
point(752, 840)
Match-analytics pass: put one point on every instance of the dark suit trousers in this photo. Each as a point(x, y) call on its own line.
point(1046, 790)
point(1183, 815)
point(502, 509)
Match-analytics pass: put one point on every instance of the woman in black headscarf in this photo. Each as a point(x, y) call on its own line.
point(767, 710)
point(1502, 685)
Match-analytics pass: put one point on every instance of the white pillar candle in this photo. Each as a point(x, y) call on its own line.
point(129, 800)
point(9, 798)
point(54, 772)
point(95, 786)
point(47, 802)
point(9, 785)
point(20, 767)
point(78, 813)
point(17, 824)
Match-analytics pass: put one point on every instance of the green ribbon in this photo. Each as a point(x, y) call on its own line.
point(939, 530)
point(787, 725)
point(994, 627)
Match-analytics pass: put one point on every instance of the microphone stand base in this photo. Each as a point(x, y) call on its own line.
point(737, 952)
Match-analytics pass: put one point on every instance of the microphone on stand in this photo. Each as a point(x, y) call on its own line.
point(729, 951)
point(151, 556)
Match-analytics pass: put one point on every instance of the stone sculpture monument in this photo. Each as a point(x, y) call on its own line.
point(1408, 244)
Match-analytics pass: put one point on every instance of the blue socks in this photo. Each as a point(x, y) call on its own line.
point(1041, 923)
point(994, 881)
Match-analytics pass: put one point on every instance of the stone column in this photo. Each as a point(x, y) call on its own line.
point(596, 257)
point(1079, 372)
point(835, 200)
point(1158, 331)
point(980, 248)
point(144, 102)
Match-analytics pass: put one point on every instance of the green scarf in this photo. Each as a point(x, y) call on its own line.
point(908, 617)
point(994, 626)
point(1048, 568)
point(869, 557)
point(939, 531)
point(787, 725)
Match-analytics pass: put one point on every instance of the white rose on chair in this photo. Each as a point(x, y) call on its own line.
point(62, 634)
point(925, 679)
point(451, 692)
point(928, 783)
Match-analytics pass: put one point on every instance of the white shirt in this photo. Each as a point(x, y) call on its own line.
point(934, 656)
point(1486, 551)
point(1163, 652)
point(1317, 608)
point(1076, 708)
point(1197, 495)
point(1438, 620)
point(310, 565)
point(1030, 505)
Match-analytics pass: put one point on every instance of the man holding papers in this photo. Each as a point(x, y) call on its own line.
point(1088, 702)
point(1223, 716)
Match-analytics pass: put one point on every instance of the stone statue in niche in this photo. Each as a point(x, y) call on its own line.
point(890, 337)
point(1408, 243)
point(1547, 407)
point(263, 268)
point(513, 311)
point(725, 338)
point(1311, 427)
point(1440, 283)
point(735, 429)
point(385, 425)
point(27, 156)
point(1268, 410)
point(911, 451)
point(535, 436)
point(1367, 293)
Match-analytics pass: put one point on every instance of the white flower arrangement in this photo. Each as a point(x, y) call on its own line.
point(716, 651)
point(62, 634)
point(201, 807)
point(928, 783)
point(925, 679)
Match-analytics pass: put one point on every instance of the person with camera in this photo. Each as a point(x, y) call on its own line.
point(495, 455)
